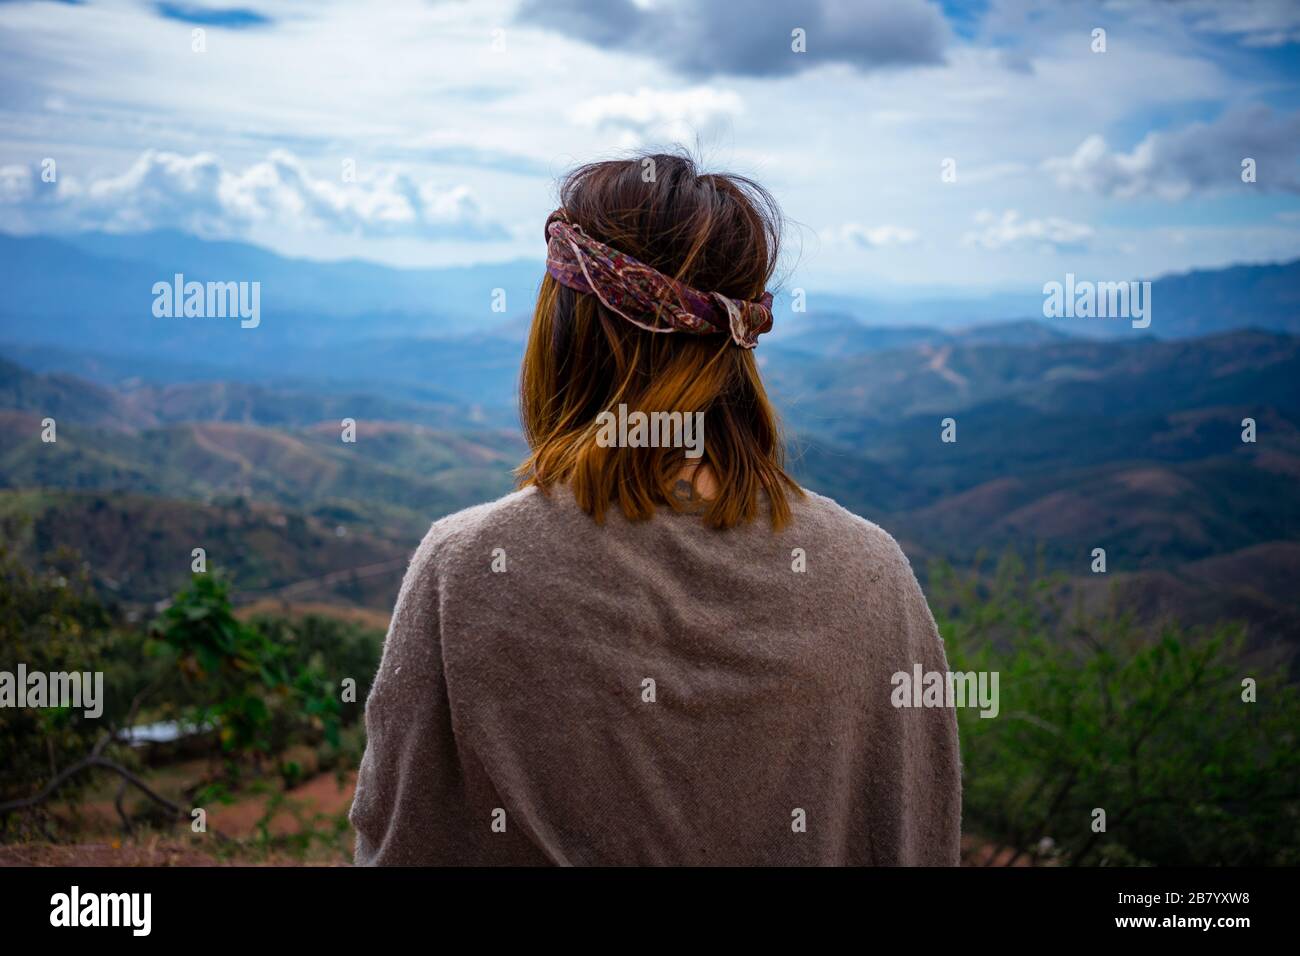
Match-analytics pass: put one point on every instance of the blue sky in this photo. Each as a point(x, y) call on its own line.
point(457, 116)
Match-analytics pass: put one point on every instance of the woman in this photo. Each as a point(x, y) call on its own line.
point(660, 650)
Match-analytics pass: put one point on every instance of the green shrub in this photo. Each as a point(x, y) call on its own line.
point(52, 621)
point(238, 679)
point(1148, 725)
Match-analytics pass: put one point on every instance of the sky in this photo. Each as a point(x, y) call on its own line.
point(916, 148)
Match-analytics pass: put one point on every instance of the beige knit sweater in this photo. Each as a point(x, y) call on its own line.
point(557, 691)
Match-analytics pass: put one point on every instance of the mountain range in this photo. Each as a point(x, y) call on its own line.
point(1061, 447)
point(172, 436)
point(83, 303)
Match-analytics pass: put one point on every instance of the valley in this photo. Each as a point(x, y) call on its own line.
point(1067, 441)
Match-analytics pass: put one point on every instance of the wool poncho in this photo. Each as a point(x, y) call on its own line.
point(558, 691)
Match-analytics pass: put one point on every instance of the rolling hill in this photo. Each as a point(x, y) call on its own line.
point(396, 476)
point(139, 546)
point(1064, 445)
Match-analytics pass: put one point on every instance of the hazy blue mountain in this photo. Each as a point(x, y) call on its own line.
point(855, 399)
point(83, 304)
point(95, 289)
point(479, 370)
point(459, 299)
point(1206, 301)
point(1185, 305)
point(133, 403)
point(838, 335)
point(92, 291)
point(901, 309)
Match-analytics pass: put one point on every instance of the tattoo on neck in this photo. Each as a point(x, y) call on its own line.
point(684, 492)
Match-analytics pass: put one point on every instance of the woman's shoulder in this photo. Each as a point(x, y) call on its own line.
point(843, 533)
point(821, 526)
point(510, 508)
point(468, 529)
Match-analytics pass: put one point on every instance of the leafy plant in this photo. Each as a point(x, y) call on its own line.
point(52, 621)
point(1096, 713)
point(237, 679)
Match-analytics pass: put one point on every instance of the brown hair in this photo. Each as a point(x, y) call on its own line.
point(716, 232)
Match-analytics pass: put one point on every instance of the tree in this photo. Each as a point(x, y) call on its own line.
point(52, 621)
point(202, 667)
point(235, 678)
point(1096, 713)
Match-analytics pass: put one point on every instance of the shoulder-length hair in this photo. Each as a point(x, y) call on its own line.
point(716, 232)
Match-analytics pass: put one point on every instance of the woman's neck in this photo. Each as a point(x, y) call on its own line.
point(695, 483)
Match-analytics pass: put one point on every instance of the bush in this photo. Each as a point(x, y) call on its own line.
point(52, 621)
point(1149, 726)
point(261, 687)
point(236, 678)
point(342, 649)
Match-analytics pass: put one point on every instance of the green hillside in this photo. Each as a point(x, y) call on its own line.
point(1062, 446)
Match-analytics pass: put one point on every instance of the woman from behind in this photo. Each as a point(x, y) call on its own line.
point(660, 650)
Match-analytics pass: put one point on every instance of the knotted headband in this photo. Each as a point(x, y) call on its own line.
point(643, 295)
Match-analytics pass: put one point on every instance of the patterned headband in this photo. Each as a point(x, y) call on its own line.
point(645, 296)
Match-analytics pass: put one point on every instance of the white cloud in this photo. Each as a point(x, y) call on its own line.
point(1201, 157)
point(16, 184)
point(1009, 230)
point(754, 38)
point(1255, 23)
point(419, 88)
point(673, 114)
point(872, 237)
point(198, 194)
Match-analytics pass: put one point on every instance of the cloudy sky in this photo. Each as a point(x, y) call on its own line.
point(431, 133)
